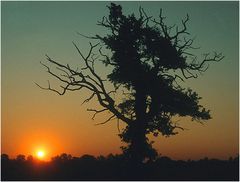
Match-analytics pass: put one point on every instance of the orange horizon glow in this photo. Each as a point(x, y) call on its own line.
point(55, 143)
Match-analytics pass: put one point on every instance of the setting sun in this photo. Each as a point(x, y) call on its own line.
point(40, 154)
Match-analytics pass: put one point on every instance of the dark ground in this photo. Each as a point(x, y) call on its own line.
point(66, 167)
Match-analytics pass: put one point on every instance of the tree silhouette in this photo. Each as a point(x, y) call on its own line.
point(4, 157)
point(20, 158)
point(148, 59)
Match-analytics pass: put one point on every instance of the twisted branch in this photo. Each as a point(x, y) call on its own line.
point(77, 80)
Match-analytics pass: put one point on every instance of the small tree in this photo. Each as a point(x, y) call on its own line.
point(4, 157)
point(148, 59)
point(20, 158)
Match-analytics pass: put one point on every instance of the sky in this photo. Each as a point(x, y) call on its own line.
point(34, 119)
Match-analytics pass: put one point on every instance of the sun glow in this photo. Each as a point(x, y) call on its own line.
point(40, 154)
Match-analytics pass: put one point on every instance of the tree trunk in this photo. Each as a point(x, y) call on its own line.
point(139, 142)
point(135, 133)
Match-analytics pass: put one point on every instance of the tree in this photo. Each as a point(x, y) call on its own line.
point(20, 158)
point(30, 158)
point(148, 60)
point(4, 157)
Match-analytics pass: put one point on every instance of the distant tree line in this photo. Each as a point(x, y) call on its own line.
point(116, 167)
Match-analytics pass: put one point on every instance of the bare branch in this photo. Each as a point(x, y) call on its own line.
point(183, 31)
point(118, 125)
point(96, 112)
point(53, 74)
point(88, 99)
point(88, 37)
point(144, 16)
point(109, 119)
point(173, 77)
point(162, 25)
point(74, 89)
point(54, 90)
point(187, 77)
point(77, 80)
point(107, 60)
point(106, 23)
point(200, 67)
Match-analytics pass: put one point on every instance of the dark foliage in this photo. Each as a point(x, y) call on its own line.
point(87, 167)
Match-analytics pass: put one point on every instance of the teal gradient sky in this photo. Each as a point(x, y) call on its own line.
point(33, 118)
